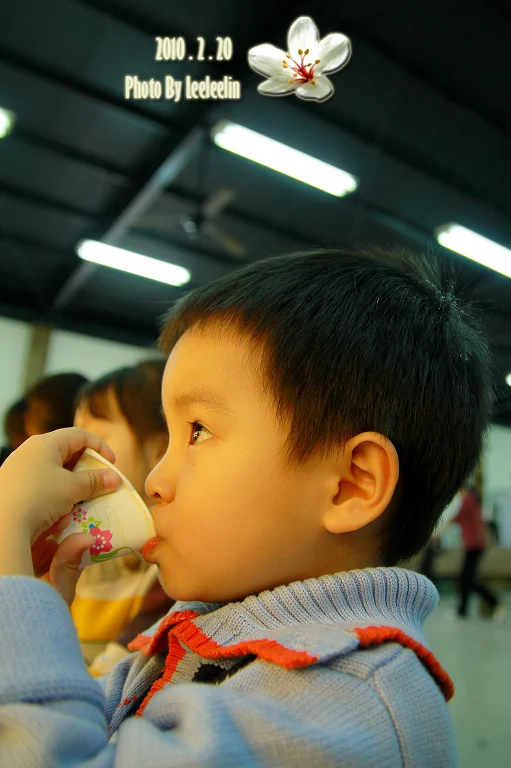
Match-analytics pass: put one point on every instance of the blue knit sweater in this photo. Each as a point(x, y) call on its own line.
point(328, 672)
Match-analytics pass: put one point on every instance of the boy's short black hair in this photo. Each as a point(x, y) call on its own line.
point(136, 391)
point(363, 341)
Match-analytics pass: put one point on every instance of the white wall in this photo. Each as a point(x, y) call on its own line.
point(497, 462)
point(14, 346)
point(89, 356)
point(497, 481)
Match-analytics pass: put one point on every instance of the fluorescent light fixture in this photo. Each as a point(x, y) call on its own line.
point(261, 149)
point(508, 379)
point(475, 247)
point(127, 261)
point(7, 120)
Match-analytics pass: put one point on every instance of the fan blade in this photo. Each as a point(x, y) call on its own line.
point(225, 241)
point(215, 204)
point(158, 221)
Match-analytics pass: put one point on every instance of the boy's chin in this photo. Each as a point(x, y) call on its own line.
point(178, 590)
point(183, 594)
point(179, 594)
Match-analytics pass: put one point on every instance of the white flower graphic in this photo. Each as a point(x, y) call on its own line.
point(303, 69)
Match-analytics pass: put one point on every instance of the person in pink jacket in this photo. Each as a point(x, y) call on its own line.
point(473, 532)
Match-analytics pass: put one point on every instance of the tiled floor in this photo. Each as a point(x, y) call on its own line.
point(477, 655)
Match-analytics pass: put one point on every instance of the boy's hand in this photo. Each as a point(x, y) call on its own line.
point(59, 565)
point(43, 550)
point(44, 547)
point(37, 488)
point(38, 491)
point(64, 569)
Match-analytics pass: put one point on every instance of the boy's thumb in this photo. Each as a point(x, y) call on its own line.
point(65, 567)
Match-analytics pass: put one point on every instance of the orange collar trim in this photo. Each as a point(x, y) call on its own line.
point(378, 635)
point(157, 643)
point(178, 632)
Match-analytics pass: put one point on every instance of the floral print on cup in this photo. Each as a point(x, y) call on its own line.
point(79, 515)
point(103, 541)
point(102, 549)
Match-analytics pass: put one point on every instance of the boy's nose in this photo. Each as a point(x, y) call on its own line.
point(158, 485)
point(149, 487)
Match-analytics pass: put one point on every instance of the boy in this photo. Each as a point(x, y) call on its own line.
point(323, 408)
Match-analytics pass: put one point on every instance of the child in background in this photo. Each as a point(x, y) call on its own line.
point(48, 405)
point(51, 401)
point(14, 423)
point(118, 599)
point(14, 428)
point(313, 401)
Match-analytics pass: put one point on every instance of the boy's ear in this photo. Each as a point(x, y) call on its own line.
point(366, 483)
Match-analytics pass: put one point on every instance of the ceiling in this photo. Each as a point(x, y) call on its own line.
point(421, 116)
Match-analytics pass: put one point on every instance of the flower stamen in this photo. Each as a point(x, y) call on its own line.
point(305, 72)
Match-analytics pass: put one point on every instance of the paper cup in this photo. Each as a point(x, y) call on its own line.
point(119, 521)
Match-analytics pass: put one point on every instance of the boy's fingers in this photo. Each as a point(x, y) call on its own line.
point(88, 483)
point(42, 555)
point(45, 546)
point(73, 439)
point(65, 567)
point(59, 526)
point(55, 528)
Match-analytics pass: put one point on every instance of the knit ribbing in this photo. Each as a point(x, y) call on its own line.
point(392, 597)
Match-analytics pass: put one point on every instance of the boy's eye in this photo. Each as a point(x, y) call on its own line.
point(198, 429)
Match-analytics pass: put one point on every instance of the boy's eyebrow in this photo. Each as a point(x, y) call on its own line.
point(214, 402)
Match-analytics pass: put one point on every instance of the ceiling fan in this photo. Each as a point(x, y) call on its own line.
point(202, 222)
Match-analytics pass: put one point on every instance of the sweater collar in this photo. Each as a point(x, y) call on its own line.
point(308, 622)
point(391, 596)
point(384, 596)
point(348, 600)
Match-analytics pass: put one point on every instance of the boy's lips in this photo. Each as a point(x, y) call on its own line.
point(149, 545)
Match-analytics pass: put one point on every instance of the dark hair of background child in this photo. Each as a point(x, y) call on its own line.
point(53, 398)
point(14, 423)
point(135, 390)
point(363, 341)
